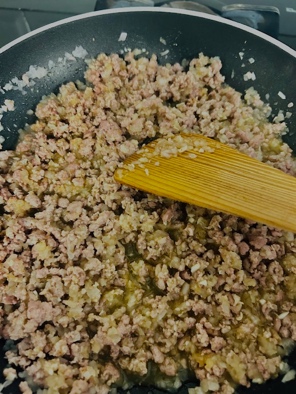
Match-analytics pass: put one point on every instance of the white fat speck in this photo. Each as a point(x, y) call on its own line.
point(257, 380)
point(8, 86)
point(5, 384)
point(251, 60)
point(232, 74)
point(147, 171)
point(50, 64)
point(279, 118)
point(284, 367)
point(137, 52)
point(290, 105)
point(288, 115)
point(26, 79)
point(18, 84)
point(2, 139)
point(241, 55)
point(267, 96)
point(281, 95)
point(192, 155)
point(249, 76)
point(68, 56)
point(194, 268)
point(163, 41)
point(1, 127)
point(283, 315)
point(123, 36)
point(79, 52)
point(36, 72)
point(9, 104)
point(289, 376)
point(164, 52)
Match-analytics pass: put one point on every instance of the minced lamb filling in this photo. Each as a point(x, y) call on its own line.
point(101, 284)
point(170, 146)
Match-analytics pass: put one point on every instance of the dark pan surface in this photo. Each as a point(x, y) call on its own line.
point(186, 34)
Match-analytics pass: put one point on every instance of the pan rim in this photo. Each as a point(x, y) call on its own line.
point(91, 14)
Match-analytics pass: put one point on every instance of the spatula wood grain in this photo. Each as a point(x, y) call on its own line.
point(220, 178)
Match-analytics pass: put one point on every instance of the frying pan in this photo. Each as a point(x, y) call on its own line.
point(186, 34)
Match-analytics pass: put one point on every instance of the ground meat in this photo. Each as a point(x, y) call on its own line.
point(217, 343)
point(39, 311)
point(25, 389)
point(101, 282)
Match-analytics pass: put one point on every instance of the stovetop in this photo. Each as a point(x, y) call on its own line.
point(18, 17)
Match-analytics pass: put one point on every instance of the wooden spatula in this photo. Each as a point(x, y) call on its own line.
point(201, 171)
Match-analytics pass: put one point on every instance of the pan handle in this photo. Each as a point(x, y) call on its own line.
point(263, 18)
point(215, 6)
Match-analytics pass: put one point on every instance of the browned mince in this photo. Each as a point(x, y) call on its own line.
point(101, 284)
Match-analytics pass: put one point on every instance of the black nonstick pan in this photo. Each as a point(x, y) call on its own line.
point(172, 34)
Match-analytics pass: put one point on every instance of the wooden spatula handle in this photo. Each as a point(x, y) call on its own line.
point(224, 180)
